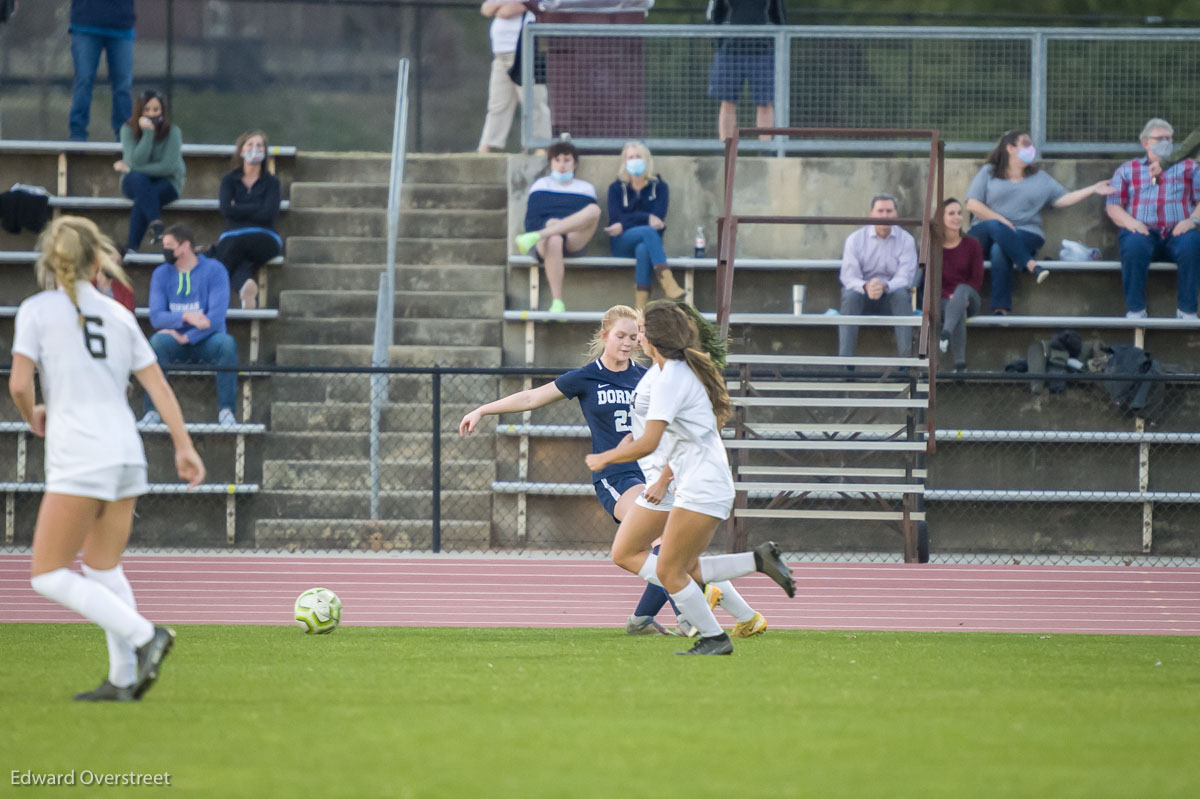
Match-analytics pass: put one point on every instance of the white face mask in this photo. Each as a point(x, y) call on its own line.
point(1027, 154)
point(636, 167)
point(253, 155)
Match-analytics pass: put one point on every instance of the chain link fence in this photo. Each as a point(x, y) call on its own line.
point(1051, 477)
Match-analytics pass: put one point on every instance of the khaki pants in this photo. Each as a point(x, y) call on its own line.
point(503, 97)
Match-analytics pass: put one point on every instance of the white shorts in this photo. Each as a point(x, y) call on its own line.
point(718, 509)
point(109, 484)
point(668, 501)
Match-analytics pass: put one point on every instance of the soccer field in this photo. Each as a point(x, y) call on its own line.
point(440, 712)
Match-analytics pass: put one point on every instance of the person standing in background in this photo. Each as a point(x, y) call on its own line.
point(96, 26)
point(739, 60)
point(508, 18)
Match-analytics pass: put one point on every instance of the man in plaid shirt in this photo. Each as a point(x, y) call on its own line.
point(1157, 216)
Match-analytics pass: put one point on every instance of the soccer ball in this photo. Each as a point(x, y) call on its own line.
point(318, 610)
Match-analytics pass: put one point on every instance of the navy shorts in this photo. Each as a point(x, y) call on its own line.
point(739, 62)
point(566, 253)
point(612, 488)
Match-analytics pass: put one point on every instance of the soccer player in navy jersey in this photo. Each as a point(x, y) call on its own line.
point(603, 387)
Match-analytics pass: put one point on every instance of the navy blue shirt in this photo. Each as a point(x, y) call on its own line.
point(604, 399)
point(632, 208)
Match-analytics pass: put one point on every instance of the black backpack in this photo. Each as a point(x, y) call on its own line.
point(1134, 395)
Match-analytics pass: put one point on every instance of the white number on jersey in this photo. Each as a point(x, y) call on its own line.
point(622, 421)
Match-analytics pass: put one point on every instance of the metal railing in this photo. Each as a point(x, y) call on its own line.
point(1077, 90)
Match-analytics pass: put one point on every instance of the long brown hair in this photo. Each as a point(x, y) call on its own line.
point(69, 247)
point(939, 224)
point(139, 106)
point(675, 336)
point(241, 142)
point(998, 157)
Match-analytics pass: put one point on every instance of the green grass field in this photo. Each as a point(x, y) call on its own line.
point(366, 712)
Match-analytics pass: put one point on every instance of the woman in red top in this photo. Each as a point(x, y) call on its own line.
point(962, 276)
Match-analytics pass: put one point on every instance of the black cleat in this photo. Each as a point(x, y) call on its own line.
point(156, 231)
point(150, 658)
point(716, 645)
point(107, 692)
point(768, 561)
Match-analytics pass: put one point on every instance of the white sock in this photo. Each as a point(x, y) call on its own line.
point(95, 603)
point(715, 568)
point(649, 570)
point(122, 657)
point(732, 602)
point(695, 609)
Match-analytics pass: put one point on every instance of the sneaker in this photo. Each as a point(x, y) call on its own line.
point(1191, 317)
point(1041, 273)
point(557, 306)
point(1137, 314)
point(151, 417)
point(768, 561)
point(107, 692)
point(156, 231)
point(149, 659)
point(713, 595)
point(746, 629)
point(644, 625)
point(685, 629)
point(249, 295)
point(717, 645)
point(527, 241)
point(944, 342)
point(225, 418)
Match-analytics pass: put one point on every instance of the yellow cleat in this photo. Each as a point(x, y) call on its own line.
point(746, 629)
point(713, 595)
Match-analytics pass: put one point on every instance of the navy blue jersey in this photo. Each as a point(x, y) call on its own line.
point(604, 399)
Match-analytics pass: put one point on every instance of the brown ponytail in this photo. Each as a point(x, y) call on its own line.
point(70, 247)
point(675, 335)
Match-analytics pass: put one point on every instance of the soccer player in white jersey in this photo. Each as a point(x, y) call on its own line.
point(85, 345)
point(688, 406)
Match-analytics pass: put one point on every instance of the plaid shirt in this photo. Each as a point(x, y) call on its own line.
point(1157, 205)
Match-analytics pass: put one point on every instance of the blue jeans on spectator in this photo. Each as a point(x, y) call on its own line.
point(1007, 249)
point(85, 52)
point(643, 243)
point(1138, 250)
point(149, 195)
point(218, 349)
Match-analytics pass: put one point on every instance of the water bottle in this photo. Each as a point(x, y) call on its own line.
point(701, 244)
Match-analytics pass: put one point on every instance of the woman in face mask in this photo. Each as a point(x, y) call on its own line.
point(151, 166)
point(249, 199)
point(637, 211)
point(1006, 198)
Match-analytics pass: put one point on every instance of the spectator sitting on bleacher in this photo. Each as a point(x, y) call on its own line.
point(189, 295)
point(1158, 219)
point(637, 213)
point(109, 287)
point(249, 203)
point(560, 217)
point(879, 263)
point(151, 166)
point(962, 277)
point(1007, 196)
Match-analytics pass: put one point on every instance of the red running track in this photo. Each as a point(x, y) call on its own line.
point(525, 592)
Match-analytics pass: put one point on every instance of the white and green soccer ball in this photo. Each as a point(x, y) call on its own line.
point(318, 610)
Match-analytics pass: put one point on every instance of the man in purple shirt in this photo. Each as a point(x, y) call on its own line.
point(879, 264)
point(1157, 216)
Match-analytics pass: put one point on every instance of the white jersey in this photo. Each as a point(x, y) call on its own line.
point(84, 373)
point(652, 465)
point(697, 457)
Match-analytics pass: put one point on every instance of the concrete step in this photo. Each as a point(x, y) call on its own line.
point(342, 168)
point(455, 505)
point(355, 475)
point(422, 251)
point(398, 355)
point(355, 277)
point(327, 445)
point(413, 223)
point(478, 196)
point(322, 388)
point(418, 168)
point(357, 534)
point(355, 417)
point(409, 304)
point(455, 332)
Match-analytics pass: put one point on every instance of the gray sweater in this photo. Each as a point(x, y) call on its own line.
point(158, 159)
point(1021, 202)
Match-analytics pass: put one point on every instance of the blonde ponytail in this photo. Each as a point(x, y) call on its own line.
point(70, 247)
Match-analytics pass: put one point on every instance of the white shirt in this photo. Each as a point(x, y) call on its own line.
point(891, 258)
point(84, 373)
point(505, 32)
point(696, 454)
point(639, 406)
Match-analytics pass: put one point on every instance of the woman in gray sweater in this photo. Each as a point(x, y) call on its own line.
point(151, 166)
point(1006, 198)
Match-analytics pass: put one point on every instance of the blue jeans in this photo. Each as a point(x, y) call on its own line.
point(219, 349)
point(85, 52)
point(643, 243)
point(1007, 249)
point(149, 195)
point(1138, 250)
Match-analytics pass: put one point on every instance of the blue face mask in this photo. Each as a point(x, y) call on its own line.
point(562, 177)
point(1162, 148)
point(636, 167)
point(1027, 154)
